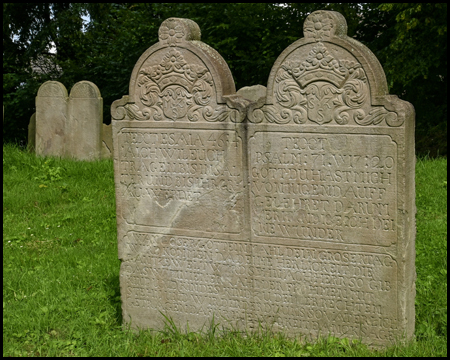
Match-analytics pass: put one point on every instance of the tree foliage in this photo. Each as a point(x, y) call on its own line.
point(415, 61)
point(43, 41)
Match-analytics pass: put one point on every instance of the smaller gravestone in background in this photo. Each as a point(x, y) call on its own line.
point(51, 119)
point(83, 130)
point(32, 133)
point(107, 141)
point(66, 126)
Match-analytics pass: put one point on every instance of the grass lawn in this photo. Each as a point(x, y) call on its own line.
point(61, 272)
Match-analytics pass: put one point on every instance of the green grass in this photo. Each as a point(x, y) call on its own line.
point(61, 272)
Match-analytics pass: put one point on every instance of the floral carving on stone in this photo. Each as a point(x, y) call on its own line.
point(321, 88)
point(174, 87)
point(319, 25)
point(172, 32)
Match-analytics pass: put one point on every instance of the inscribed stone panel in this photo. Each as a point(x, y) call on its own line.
point(179, 159)
point(51, 119)
point(85, 122)
point(331, 171)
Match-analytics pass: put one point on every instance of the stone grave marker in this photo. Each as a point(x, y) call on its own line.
point(300, 218)
point(51, 119)
point(179, 162)
point(83, 134)
point(331, 169)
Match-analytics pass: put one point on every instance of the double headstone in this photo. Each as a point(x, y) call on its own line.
point(68, 126)
point(291, 206)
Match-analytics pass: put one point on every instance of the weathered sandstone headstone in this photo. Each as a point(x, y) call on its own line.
point(69, 126)
point(32, 133)
point(331, 162)
point(293, 209)
point(83, 134)
point(179, 158)
point(51, 118)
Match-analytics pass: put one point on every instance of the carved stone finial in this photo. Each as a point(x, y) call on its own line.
point(322, 24)
point(175, 30)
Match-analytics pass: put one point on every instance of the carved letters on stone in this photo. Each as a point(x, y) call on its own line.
point(295, 209)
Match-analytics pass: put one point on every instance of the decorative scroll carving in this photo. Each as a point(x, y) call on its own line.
point(376, 116)
point(175, 87)
point(321, 89)
point(176, 90)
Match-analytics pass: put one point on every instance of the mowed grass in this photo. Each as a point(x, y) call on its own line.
point(61, 272)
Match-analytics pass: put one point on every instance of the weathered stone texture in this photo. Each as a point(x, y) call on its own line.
point(292, 207)
point(69, 126)
point(51, 119)
point(179, 170)
point(252, 93)
point(85, 122)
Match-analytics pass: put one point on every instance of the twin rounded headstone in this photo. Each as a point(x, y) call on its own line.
point(291, 205)
point(69, 125)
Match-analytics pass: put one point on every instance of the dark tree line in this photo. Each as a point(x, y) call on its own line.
point(53, 41)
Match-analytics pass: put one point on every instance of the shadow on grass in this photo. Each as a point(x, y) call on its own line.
point(112, 284)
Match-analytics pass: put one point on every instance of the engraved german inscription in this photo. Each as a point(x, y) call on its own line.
point(324, 187)
point(290, 207)
point(173, 170)
point(295, 288)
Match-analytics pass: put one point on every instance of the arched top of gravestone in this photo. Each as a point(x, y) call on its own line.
point(52, 89)
point(328, 78)
point(180, 63)
point(85, 90)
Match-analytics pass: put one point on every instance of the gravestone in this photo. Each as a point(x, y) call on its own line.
point(32, 133)
point(293, 209)
point(69, 126)
point(83, 134)
point(51, 119)
point(179, 155)
point(331, 163)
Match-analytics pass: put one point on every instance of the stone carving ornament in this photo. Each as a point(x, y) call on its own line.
point(316, 81)
point(169, 87)
point(302, 218)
